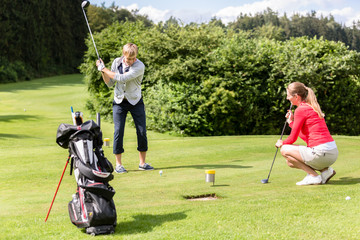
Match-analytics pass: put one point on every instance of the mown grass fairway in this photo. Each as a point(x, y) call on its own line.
point(150, 206)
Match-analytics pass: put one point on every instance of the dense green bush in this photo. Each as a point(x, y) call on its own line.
point(13, 72)
point(176, 58)
point(332, 71)
point(202, 80)
point(257, 71)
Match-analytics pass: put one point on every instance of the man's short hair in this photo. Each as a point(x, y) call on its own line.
point(130, 50)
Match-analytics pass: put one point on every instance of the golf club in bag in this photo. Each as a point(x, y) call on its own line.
point(92, 206)
point(85, 4)
point(277, 149)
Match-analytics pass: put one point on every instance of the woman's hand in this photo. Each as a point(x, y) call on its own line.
point(279, 143)
point(289, 117)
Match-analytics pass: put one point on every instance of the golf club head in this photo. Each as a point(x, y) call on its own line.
point(85, 4)
point(265, 180)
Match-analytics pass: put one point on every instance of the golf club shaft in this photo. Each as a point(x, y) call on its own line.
point(92, 38)
point(98, 119)
point(272, 164)
point(277, 149)
point(282, 133)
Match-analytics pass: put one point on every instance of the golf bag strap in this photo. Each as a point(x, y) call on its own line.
point(71, 165)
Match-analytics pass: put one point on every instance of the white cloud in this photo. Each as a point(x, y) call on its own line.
point(131, 7)
point(353, 19)
point(155, 14)
point(345, 15)
point(191, 15)
point(229, 14)
point(185, 15)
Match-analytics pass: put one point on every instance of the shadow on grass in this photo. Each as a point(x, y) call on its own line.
point(207, 166)
point(10, 118)
point(345, 181)
point(220, 185)
point(39, 83)
point(143, 223)
point(19, 136)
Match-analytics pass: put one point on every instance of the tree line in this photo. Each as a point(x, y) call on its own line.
point(42, 38)
point(269, 24)
point(264, 24)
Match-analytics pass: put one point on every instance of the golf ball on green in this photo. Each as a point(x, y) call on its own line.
point(347, 198)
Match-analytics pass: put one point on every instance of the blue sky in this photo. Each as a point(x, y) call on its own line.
point(344, 11)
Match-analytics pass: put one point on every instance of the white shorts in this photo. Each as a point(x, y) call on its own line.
point(317, 159)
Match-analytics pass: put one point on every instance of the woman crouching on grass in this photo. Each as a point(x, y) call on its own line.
point(308, 123)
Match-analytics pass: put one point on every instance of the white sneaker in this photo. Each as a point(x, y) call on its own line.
point(327, 174)
point(310, 180)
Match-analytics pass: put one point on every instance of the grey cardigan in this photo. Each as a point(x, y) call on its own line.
point(128, 85)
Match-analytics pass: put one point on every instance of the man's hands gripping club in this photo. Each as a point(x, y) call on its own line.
point(100, 65)
point(106, 73)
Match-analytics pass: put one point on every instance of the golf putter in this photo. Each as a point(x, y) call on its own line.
point(282, 133)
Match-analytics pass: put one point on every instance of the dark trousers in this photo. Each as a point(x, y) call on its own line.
point(119, 115)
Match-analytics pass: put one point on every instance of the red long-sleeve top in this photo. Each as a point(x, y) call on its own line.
point(309, 127)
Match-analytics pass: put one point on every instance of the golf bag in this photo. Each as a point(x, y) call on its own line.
point(92, 206)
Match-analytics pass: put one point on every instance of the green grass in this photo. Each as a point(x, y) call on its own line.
point(150, 206)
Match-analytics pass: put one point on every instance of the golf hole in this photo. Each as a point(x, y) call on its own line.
point(202, 197)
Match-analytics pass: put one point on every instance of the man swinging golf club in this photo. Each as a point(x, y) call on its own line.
point(127, 73)
point(308, 123)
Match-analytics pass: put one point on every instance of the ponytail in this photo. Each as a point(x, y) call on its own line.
point(312, 101)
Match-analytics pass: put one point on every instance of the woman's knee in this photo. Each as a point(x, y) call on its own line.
point(283, 151)
point(290, 164)
point(287, 150)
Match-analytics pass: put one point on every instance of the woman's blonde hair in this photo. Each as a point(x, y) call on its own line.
point(307, 95)
point(130, 50)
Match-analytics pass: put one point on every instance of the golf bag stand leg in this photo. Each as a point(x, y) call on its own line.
point(67, 162)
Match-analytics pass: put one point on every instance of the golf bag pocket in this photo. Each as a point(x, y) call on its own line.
point(77, 210)
point(104, 190)
point(87, 209)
